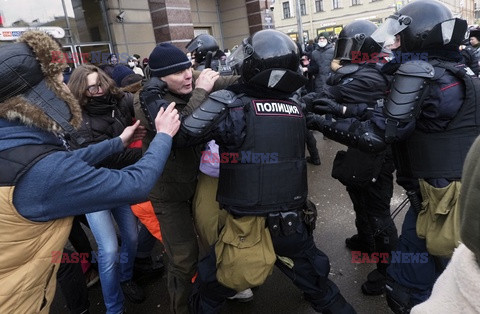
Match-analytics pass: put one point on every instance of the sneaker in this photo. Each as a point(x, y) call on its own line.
point(132, 291)
point(91, 277)
point(314, 161)
point(375, 284)
point(243, 296)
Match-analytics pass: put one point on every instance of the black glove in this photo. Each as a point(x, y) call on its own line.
point(328, 106)
point(308, 101)
point(151, 99)
point(315, 122)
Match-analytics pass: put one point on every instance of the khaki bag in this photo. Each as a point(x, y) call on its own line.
point(244, 251)
point(439, 220)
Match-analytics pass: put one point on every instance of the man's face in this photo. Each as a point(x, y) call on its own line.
point(179, 83)
point(397, 43)
point(474, 41)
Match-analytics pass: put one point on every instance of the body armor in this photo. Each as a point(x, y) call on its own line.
point(268, 174)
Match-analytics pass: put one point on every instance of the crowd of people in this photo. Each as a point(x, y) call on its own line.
point(214, 142)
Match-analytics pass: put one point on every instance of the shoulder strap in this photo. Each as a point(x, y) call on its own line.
point(16, 161)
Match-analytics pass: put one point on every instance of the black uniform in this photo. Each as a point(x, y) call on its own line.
point(368, 177)
point(265, 131)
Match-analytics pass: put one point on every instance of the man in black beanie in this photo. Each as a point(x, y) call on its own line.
point(173, 80)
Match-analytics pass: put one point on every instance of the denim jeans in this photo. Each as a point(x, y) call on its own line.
point(114, 266)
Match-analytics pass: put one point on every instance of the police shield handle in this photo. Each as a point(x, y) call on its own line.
point(168, 120)
point(133, 133)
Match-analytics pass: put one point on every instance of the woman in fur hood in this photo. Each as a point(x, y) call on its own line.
point(43, 183)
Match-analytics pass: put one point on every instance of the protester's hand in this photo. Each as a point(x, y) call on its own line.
point(168, 120)
point(133, 133)
point(207, 79)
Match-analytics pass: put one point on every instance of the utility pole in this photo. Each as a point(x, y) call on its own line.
point(299, 24)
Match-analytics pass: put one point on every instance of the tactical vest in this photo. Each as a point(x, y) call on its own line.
point(27, 274)
point(268, 172)
point(442, 154)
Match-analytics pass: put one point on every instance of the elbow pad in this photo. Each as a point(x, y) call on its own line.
point(208, 113)
point(408, 89)
point(356, 134)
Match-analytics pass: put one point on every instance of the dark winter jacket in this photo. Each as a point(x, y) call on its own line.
point(322, 57)
point(107, 123)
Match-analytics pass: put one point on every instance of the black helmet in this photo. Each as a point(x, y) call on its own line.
point(355, 36)
point(264, 50)
point(202, 44)
point(423, 24)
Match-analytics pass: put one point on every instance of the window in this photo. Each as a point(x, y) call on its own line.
point(286, 10)
point(356, 2)
point(318, 5)
point(303, 8)
point(336, 4)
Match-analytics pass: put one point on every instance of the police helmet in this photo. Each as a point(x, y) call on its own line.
point(264, 50)
point(423, 24)
point(355, 36)
point(202, 44)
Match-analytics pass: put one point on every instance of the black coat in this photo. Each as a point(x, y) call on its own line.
point(322, 58)
point(108, 124)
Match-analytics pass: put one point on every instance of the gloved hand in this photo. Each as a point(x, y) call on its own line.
point(328, 106)
point(315, 121)
point(155, 85)
point(151, 99)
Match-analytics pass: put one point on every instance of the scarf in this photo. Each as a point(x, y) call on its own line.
point(100, 105)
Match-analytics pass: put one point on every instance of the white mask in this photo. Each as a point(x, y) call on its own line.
point(131, 64)
point(322, 43)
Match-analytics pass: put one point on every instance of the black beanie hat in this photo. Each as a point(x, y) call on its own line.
point(120, 72)
point(167, 59)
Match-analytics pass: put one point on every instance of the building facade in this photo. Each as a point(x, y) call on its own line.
point(90, 30)
point(318, 16)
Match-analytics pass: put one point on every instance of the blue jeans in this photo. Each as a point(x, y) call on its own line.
point(114, 266)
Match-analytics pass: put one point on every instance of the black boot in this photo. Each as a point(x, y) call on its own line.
point(339, 306)
point(148, 268)
point(375, 284)
point(314, 161)
point(357, 243)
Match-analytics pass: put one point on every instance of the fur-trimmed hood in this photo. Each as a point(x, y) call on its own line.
point(30, 90)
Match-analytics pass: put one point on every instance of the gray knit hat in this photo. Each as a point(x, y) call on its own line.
point(167, 59)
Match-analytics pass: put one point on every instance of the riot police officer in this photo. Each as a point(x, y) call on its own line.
point(358, 86)
point(257, 125)
point(199, 47)
point(430, 119)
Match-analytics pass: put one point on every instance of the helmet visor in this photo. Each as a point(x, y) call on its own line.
point(345, 46)
point(393, 25)
point(235, 59)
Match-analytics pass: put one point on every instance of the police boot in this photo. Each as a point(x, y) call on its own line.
point(314, 160)
point(339, 306)
point(375, 284)
point(358, 242)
